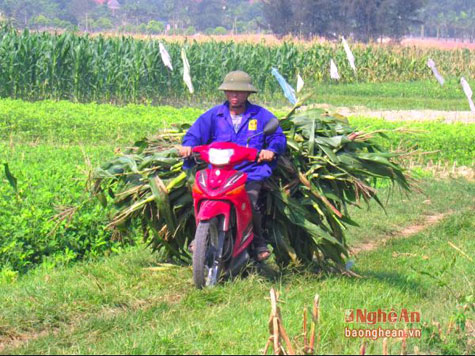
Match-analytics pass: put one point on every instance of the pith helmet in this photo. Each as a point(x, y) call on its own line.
point(238, 81)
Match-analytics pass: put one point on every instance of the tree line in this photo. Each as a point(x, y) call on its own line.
point(448, 18)
point(372, 19)
point(363, 20)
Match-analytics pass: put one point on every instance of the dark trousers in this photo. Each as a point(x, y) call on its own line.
point(253, 189)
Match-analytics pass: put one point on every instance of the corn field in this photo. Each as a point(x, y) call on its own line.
point(37, 66)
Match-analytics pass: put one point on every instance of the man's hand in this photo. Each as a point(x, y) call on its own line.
point(185, 151)
point(266, 156)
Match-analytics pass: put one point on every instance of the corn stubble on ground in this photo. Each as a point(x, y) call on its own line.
point(279, 339)
point(282, 344)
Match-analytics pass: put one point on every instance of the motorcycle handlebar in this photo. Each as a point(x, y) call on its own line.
point(197, 157)
point(194, 155)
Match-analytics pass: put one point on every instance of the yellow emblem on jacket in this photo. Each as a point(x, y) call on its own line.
point(252, 125)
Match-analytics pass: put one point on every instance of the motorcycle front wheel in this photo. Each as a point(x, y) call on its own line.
point(206, 267)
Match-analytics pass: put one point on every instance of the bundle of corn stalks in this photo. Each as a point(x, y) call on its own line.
point(328, 166)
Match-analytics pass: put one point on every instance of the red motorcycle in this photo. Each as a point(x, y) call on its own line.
point(223, 211)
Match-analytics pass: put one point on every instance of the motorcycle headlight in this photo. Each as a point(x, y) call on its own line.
point(220, 157)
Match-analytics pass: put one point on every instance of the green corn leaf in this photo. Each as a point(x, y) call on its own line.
point(11, 178)
point(329, 152)
point(311, 140)
point(306, 213)
point(161, 197)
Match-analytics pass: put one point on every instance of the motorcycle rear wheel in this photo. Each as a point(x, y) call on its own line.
point(205, 271)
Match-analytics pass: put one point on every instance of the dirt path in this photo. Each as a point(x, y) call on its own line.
point(403, 115)
point(405, 233)
point(12, 341)
point(21, 339)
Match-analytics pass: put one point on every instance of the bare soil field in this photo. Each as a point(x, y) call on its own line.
point(437, 43)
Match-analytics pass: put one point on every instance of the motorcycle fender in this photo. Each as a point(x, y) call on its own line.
point(213, 208)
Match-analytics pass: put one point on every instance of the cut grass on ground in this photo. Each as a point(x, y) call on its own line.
point(117, 305)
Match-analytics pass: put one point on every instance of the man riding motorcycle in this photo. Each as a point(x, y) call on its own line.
point(235, 121)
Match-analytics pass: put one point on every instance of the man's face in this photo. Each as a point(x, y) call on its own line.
point(237, 99)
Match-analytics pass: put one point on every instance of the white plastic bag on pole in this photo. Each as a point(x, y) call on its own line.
point(300, 83)
point(186, 72)
point(349, 54)
point(334, 71)
point(165, 56)
point(431, 65)
point(468, 93)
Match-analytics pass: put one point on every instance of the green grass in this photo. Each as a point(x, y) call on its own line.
point(50, 148)
point(452, 143)
point(430, 198)
point(64, 122)
point(396, 95)
point(409, 95)
point(115, 305)
point(49, 179)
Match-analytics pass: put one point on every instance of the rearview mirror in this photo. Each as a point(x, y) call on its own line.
point(271, 126)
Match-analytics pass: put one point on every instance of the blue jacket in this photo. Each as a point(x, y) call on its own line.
point(216, 125)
